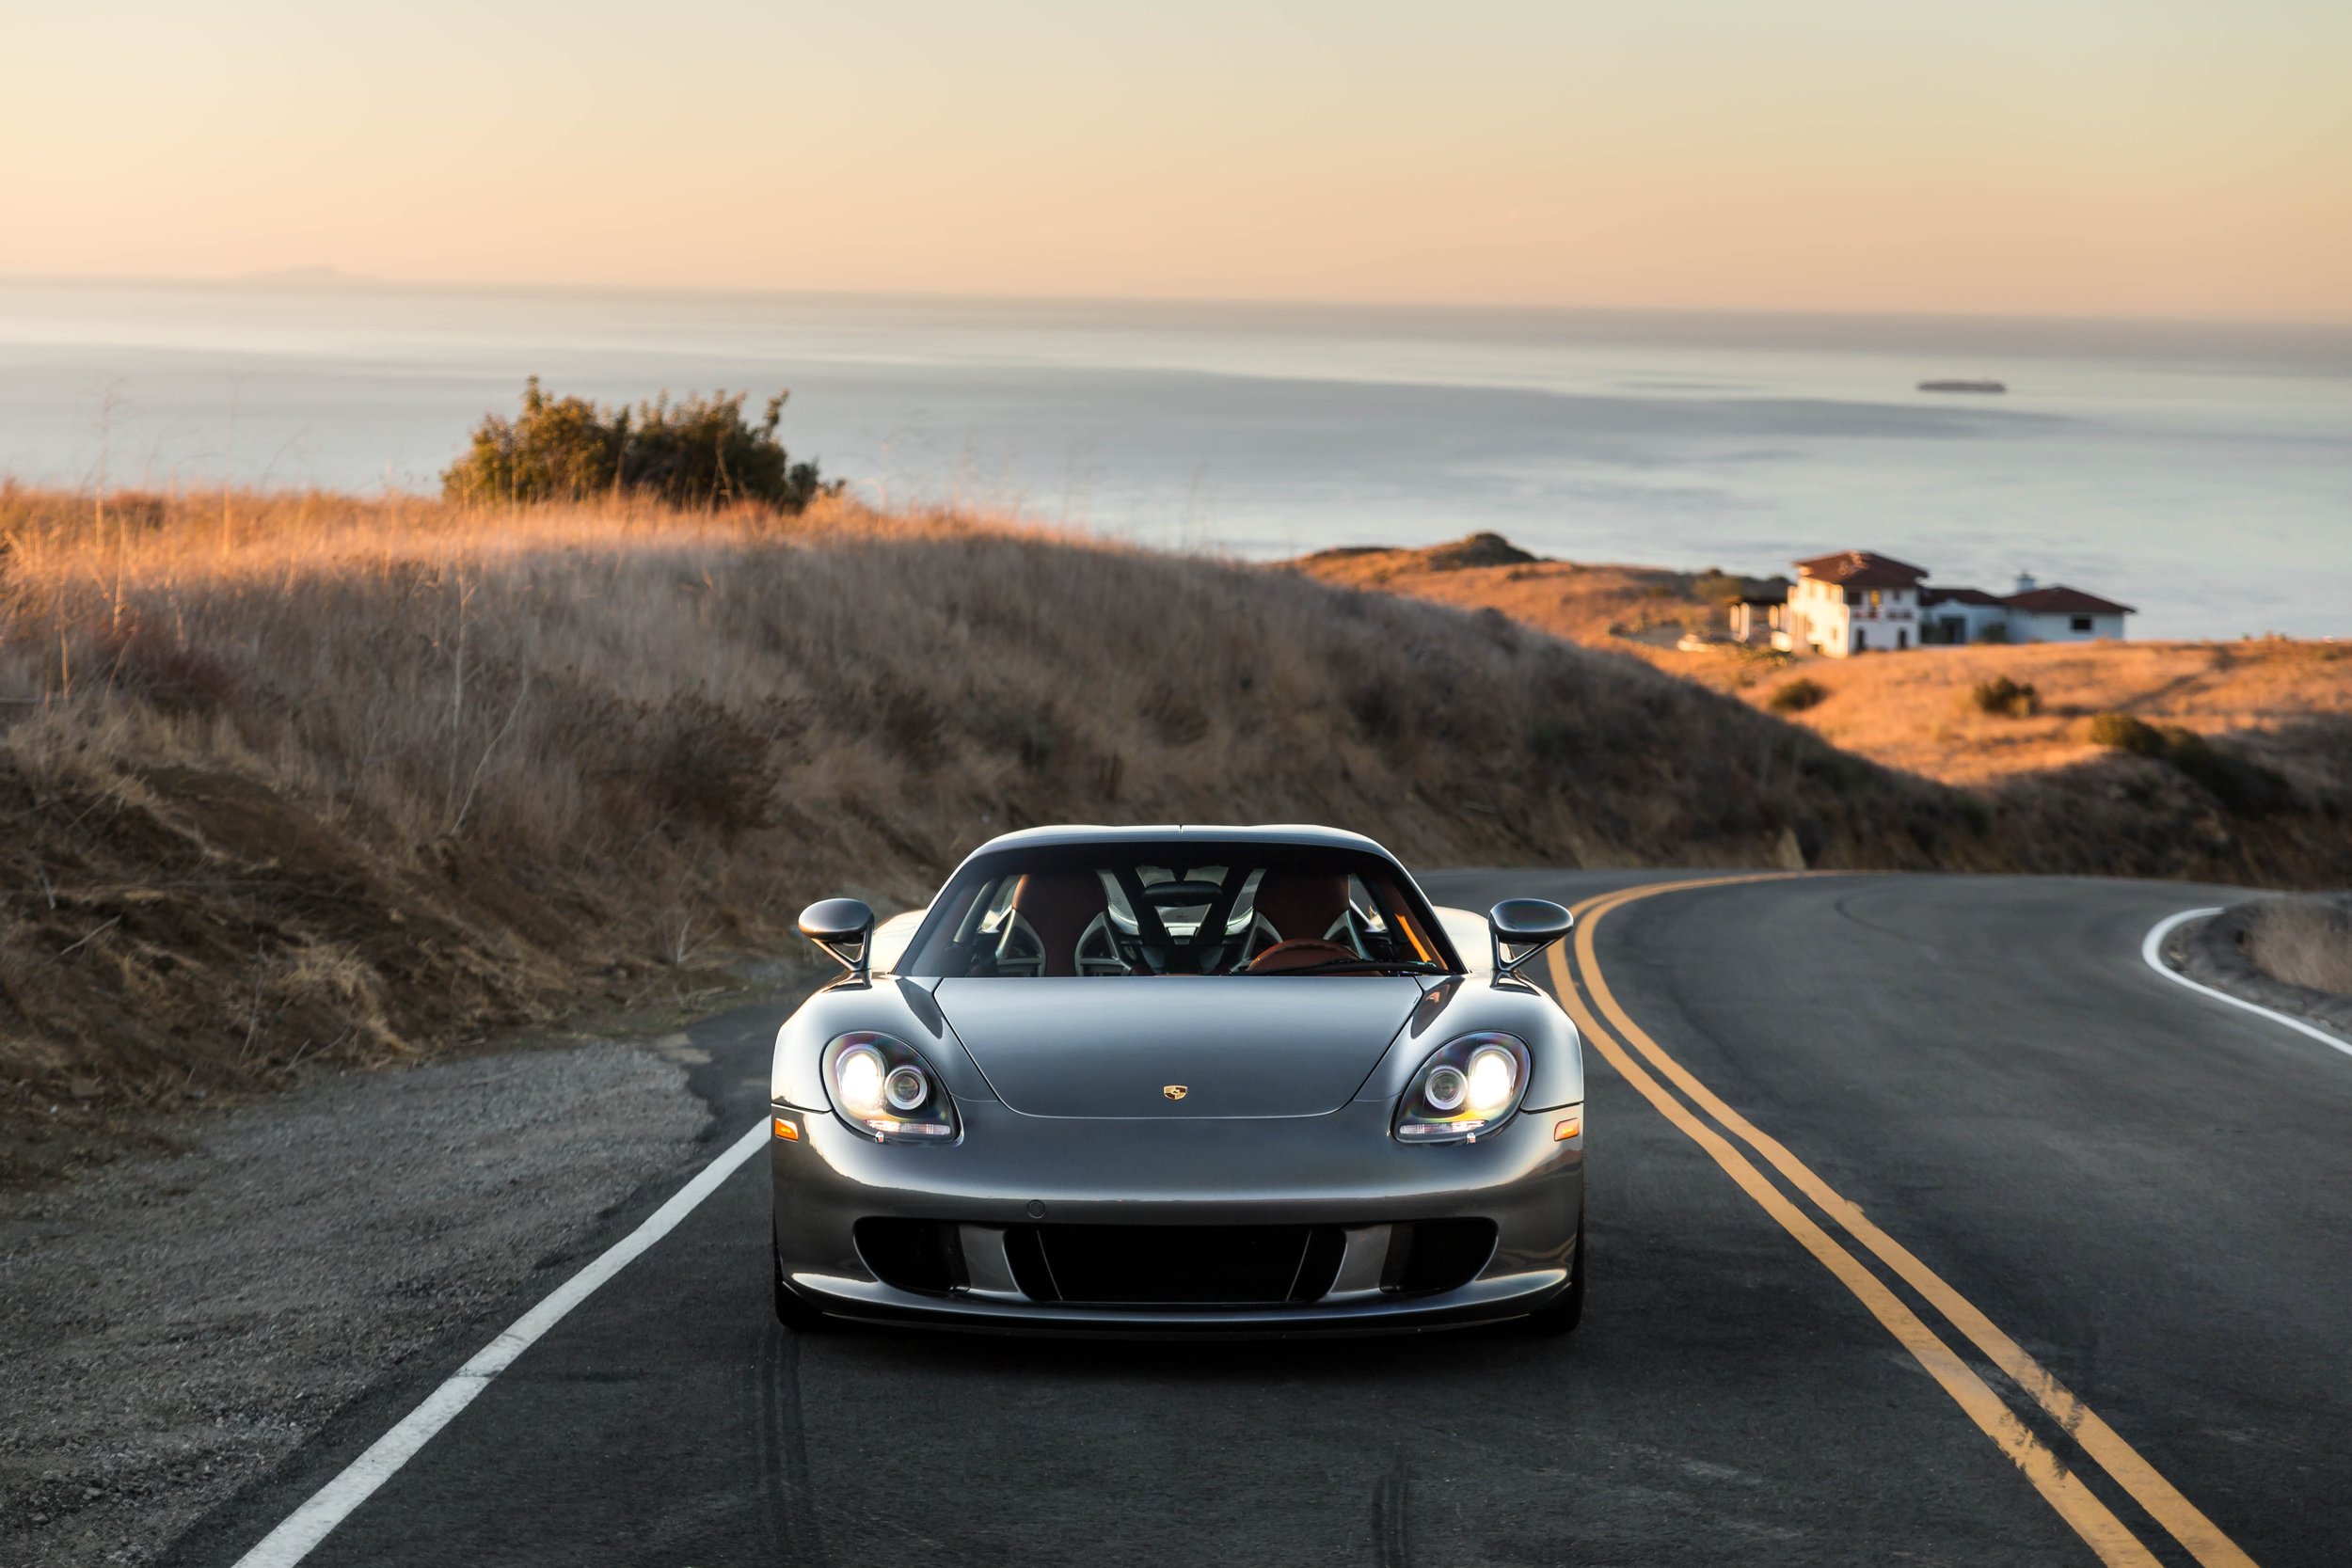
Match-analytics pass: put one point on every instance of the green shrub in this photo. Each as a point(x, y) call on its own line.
point(2241, 784)
point(558, 449)
point(2006, 699)
point(697, 453)
point(1797, 695)
point(2128, 734)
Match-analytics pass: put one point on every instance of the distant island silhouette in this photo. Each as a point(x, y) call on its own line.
point(317, 275)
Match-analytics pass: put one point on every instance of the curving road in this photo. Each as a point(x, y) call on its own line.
point(1927, 1225)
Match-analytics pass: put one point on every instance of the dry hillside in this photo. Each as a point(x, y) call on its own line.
point(309, 781)
point(1634, 608)
point(1915, 711)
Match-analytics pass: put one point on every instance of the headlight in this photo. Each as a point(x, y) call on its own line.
point(882, 1086)
point(1468, 1087)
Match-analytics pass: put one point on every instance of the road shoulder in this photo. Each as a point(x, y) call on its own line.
point(2213, 953)
point(173, 1327)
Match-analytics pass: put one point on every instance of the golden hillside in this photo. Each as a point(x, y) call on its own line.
point(1915, 711)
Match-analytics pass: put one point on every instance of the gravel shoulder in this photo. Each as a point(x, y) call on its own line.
point(172, 1327)
point(2215, 951)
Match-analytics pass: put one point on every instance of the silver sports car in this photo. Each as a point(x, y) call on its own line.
point(1178, 1079)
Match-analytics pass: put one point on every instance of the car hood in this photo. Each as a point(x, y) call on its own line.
point(1236, 1046)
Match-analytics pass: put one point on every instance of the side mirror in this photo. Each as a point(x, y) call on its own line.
point(843, 927)
point(1522, 927)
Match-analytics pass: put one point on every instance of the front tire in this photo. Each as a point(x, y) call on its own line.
point(793, 1309)
point(1562, 1315)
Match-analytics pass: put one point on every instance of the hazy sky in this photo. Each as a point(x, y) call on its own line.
point(2144, 157)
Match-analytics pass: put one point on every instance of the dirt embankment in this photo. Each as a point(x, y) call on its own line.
point(311, 782)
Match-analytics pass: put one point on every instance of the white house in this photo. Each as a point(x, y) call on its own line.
point(1856, 602)
point(1860, 601)
point(2063, 614)
point(1960, 615)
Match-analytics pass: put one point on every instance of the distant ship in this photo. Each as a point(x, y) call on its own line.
point(1961, 387)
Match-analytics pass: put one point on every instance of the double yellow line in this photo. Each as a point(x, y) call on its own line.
point(1620, 1037)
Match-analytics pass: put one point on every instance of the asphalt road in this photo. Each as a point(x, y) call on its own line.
point(2147, 1192)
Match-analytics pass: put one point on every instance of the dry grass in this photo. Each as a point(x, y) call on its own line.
point(304, 779)
point(1636, 607)
point(308, 779)
point(1915, 711)
point(2304, 941)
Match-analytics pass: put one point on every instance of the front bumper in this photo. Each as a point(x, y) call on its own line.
point(1342, 1170)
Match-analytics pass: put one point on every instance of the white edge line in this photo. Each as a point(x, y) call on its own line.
point(310, 1524)
point(2153, 951)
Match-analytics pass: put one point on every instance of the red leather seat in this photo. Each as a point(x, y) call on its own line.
point(1059, 906)
point(1302, 904)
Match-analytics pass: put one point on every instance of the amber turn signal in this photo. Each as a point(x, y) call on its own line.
point(1568, 1127)
point(787, 1130)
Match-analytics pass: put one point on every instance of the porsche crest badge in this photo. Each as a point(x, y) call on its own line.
point(1174, 1091)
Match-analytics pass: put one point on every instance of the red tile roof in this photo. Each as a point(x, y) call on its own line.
point(1956, 595)
point(1861, 569)
point(2059, 599)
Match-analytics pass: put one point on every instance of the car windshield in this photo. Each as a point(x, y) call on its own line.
point(1187, 907)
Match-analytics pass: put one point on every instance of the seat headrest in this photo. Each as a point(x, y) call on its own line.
point(1302, 903)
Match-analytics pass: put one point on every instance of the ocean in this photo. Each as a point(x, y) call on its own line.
point(2201, 473)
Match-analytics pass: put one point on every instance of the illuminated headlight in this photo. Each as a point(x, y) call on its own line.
point(883, 1088)
point(1469, 1087)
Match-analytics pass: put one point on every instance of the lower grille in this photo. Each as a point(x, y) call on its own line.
point(1428, 1256)
point(913, 1255)
point(1174, 1265)
point(1177, 1265)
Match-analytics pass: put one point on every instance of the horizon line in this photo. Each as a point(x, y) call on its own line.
point(320, 279)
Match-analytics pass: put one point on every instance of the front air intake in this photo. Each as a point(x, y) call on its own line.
point(1174, 1265)
point(1428, 1256)
point(912, 1255)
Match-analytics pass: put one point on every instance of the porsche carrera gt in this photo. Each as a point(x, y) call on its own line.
point(1171, 1080)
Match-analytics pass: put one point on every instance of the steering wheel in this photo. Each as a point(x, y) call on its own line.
point(1301, 953)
